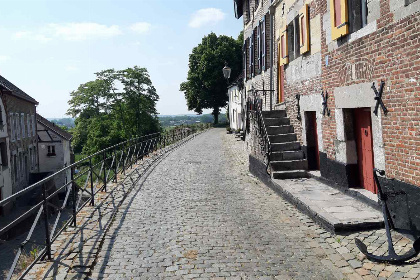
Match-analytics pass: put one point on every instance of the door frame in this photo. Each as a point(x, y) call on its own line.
point(351, 97)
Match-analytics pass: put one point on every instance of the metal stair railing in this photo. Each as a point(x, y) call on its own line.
point(261, 130)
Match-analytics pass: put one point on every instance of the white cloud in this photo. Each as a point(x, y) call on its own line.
point(84, 30)
point(70, 32)
point(4, 58)
point(209, 16)
point(141, 27)
point(32, 36)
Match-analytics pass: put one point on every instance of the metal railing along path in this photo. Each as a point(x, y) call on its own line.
point(89, 176)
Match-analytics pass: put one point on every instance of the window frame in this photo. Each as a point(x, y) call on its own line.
point(342, 29)
point(283, 46)
point(304, 30)
point(264, 44)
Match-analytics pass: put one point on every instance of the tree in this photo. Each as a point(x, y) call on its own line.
point(106, 115)
point(206, 87)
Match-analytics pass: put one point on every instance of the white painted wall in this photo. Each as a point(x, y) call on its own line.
point(57, 162)
point(235, 108)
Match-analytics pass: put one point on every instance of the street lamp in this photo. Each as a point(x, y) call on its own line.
point(226, 71)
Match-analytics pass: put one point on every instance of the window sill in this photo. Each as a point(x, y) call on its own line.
point(368, 29)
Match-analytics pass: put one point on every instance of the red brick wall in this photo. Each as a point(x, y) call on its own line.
point(393, 53)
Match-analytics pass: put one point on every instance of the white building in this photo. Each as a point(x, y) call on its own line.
point(54, 149)
point(236, 104)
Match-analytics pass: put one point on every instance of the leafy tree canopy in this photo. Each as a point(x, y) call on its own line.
point(117, 105)
point(206, 87)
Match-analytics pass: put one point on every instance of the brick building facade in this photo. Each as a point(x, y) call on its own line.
point(343, 49)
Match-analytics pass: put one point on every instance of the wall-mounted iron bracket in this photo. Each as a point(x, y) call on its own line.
point(325, 104)
point(378, 98)
point(298, 106)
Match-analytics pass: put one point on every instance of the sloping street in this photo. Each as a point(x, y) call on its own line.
point(200, 215)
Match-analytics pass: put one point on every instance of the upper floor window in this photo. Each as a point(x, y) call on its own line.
point(28, 125)
point(347, 16)
point(33, 125)
point(17, 128)
point(51, 151)
point(12, 127)
point(22, 125)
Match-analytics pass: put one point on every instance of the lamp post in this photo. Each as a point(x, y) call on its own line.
point(226, 72)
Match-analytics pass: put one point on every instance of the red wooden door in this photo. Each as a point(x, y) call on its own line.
point(364, 143)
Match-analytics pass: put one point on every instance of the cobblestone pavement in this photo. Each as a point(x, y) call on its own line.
point(200, 215)
point(197, 213)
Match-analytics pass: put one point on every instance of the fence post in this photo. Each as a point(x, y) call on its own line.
point(47, 230)
point(123, 159)
point(92, 201)
point(116, 165)
point(73, 185)
point(105, 171)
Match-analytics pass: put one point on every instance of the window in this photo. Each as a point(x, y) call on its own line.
point(12, 126)
point(245, 60)
point(408, 2)
point(347, 16)
point(51, 151)
point(22, 124)
point(283, 48)
point(304, 29)
point(293, 40)
point(251, 55)
point(259, 47)
point(33, 125)
point(28, 125)
point(263, 43)
point(17, 129)
point(3, 154)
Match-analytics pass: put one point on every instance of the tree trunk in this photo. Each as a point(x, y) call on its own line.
point(216, 115)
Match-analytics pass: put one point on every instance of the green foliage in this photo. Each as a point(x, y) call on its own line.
point(206, 87)
point(106, 115)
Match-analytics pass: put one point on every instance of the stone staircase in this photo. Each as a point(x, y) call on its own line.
point(287, 158)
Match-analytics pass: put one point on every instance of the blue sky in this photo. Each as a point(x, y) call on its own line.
point(48, 48)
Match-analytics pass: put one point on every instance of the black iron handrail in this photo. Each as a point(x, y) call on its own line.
point(261, 130)
point(96, 171)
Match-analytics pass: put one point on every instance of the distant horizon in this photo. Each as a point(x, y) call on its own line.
point(223, 111)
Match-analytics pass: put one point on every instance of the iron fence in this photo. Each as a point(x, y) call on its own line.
point(88, 177)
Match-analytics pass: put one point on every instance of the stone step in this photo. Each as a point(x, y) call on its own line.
point(289, 174)
point(287, 146)
point(282, 129)
point(274, 114)
point(276, 121)
point(287, 155)
point(281, 138)
point(289, 165)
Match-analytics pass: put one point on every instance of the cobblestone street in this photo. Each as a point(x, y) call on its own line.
point(200, 215)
